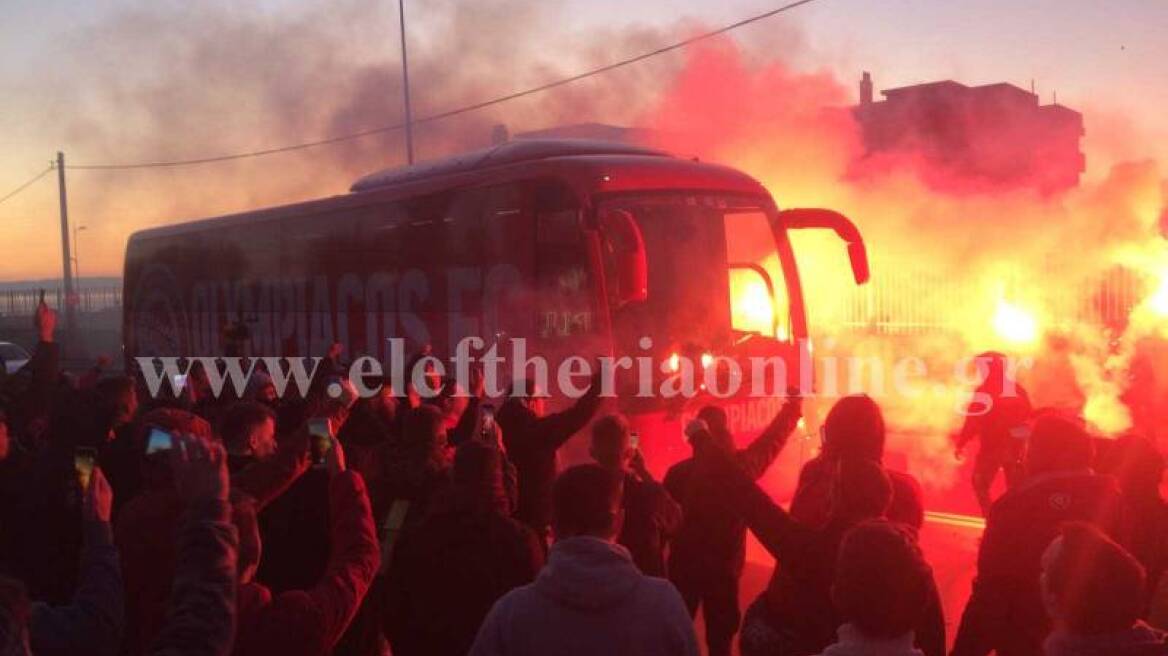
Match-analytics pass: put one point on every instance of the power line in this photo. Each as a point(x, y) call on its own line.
point(452, 112)
point(27, 184)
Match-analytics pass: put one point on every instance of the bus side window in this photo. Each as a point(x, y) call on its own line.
point(749, 241)
point(565, 282)
point(509, 262)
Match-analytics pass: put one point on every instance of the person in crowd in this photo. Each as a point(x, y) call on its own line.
point(854, 428)
point(882, 587)
point(651, 516)
point(590, 598)
point(144, 530)
point(28, 394)
point(997, 415)
point(458, 560)
point(708, 553)
point(260, 387)
point(375, 421)
point(1093, 590)
point(92, 623)
point(407, 475)
point(310, 621)
point(796, 614)
point(1139, 467)
point(1005, 611)
point(200, 619)
point(532, 439)
point(248, 431)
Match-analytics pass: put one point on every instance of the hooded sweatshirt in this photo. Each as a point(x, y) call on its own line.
point(1140, 640)
point(590, 599)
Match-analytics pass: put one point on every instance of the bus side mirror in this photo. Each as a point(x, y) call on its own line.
point(814, 218)
point(625, 251)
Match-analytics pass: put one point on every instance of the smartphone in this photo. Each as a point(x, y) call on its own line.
point(84, 460)
point(634, 440)
point(42, 302)
point(487, 422)
point(321, 431)
point(158, 441)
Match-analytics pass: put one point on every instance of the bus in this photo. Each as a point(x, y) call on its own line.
point(580, 247)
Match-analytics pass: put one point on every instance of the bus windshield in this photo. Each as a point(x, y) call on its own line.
point(710, 258)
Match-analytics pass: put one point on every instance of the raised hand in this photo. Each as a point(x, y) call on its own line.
point(99, 498)
point(200, 468)
point(45, 321)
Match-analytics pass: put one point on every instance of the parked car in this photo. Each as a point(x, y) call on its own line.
point(13, 356)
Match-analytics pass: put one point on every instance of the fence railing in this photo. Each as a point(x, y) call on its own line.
point(23, 302)
point(906, 303)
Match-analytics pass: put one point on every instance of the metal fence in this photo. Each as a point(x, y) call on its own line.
point(908, 303)
point(23, 302)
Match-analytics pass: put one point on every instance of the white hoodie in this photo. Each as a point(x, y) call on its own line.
point(590, 599)
point(854, 643)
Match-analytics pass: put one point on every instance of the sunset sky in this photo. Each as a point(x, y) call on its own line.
point(120, 80)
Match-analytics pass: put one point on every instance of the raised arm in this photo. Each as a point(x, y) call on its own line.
point(94, 621)
point(560, 427)
point(355, 555)
point(201, 619)
point(758, 456)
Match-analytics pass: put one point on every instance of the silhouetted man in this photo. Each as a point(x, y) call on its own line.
point(651, 515)
point(1005, 612)
point(709, 552)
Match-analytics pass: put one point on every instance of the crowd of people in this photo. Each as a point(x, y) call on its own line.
point(256, 524)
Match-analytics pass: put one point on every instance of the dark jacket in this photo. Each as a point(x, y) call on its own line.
point(712, 541)
point(310, 621)
point(93, 622)
point(652, 518)
point(201, 616)
point(1005, 611)
point(532, 443)
point(447, 572)
point(813, 492)
point(1001, 428)
point(799, 596)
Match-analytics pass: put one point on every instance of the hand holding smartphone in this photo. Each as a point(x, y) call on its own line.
point(84, 460)
point(320, 432)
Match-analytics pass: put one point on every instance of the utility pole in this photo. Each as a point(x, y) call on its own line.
point(66, 258)
point(401, 13)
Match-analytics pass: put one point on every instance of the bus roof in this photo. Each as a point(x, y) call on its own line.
point(511, 152)
point(597, 165)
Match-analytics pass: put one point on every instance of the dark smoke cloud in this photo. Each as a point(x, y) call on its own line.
point(174, 81)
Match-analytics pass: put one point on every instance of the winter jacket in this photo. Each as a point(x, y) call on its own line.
point(93, 622)
point(200, 620)
point(589, 599)
point(812, 494)
point(1140, 640)
point(1005, 611)
point(311, 621)
point(799, 596)
point(652, 518)
point(532, 443)
point(1001, 428)
point(447, 572)
point(711, 541)
point(854, 643)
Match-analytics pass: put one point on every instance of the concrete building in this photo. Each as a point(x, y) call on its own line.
point(993, 136)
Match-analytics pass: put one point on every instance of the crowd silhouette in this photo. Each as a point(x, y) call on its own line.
point(251, 524)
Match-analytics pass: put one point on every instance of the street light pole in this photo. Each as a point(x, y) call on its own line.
point(401, 13)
